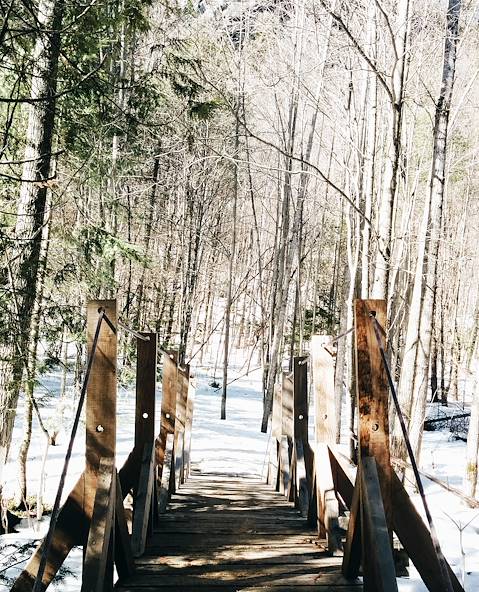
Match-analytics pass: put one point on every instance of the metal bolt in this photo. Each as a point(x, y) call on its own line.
point(375, 427)
point(167, 416)
point(100, 428)
point(300, 417)
point(145, 415)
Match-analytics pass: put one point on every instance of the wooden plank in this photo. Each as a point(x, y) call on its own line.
point(178, 462)
point(100, 412)
point(124, 561)
point(146, 358)
point(284, 466)
point(373, 396)
point(352, 547)
point(183, 378)
point(190, 407)
point(343, 482)
point(96, 572)
point(287, 406)
point(328, 507)
point(323, 366)
point(378, 551)
point(300, 396)
point(416, 539)
point(142, 509)
point(276, 422)
point(163, 495)
point(301, 480)
point(168, 408)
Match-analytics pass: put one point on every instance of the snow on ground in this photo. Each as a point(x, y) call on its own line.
point(236, 446)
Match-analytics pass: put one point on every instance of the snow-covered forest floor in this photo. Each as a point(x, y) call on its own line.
point(235, 446)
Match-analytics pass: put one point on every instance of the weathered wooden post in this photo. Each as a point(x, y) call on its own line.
point(168, 408)
point(373, 436)
point(145, 506)
point(189, 429)
point(183, 376)
point(287, 435)
point(300, 426)
point(323, 364)
point(273, 477)
point(100, 473)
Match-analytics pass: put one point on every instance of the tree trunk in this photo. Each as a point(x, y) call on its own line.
point(31, 212)
point(427, 286)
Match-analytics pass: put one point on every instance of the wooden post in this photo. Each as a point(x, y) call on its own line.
point(276, 432)
point(190, 407)
point(373, 396)
point(145, 391)
point(323, 363)
point(180, 424)
point(287, 452)
point(168, 408)
point(300, 394)
point(101, 398)
point(373, 407)
point(287, 407)
point(302, 456)
point(96, 575)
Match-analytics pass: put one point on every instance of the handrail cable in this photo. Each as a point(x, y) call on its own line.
point(38, 584)
point(435, 540)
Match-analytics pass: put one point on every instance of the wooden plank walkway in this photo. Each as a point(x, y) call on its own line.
point(225, 534)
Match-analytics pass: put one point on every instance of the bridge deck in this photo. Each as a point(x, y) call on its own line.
point(225, 534)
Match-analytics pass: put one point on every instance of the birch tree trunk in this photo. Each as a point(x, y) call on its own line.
point(425, 284)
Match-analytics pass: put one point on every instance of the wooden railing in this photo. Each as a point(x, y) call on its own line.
point(93, 515)
point(320, 479)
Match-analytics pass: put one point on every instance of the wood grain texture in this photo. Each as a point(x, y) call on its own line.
point(143, 500)
point(168, 408)
point(164, 491)
point(96, 568)
point(100, 411)
point(146, 358)
point(300, 398)
point(227, 534)
point(373, 396)
point(378, 552)
point(323, 367)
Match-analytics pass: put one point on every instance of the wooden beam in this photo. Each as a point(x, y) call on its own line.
point(323, 366)
point(276, 422)
point(301, 480)
point(146, 357)
point(189, 428)
point(416, 539)
point(101, 397)
point(284, 465)
point(352, 548)
point(142, 513)
point(378, 551)
point(96, 569)
point(168, 408)
point(124, 561)
point(328, 507)
point(164, 493)
point(287, 407)
point(300, 395)
point(373, 396)
point(343, 482)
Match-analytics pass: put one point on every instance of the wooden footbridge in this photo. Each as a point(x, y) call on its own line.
point(317, 523)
